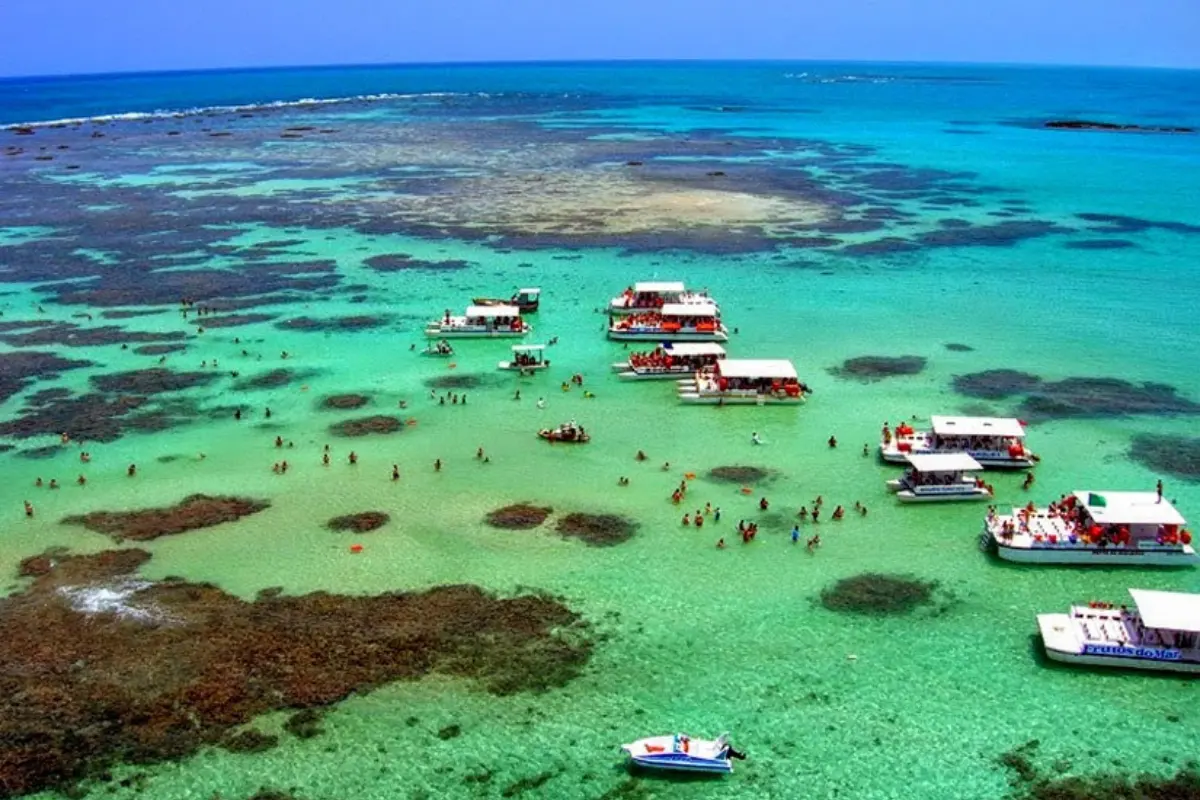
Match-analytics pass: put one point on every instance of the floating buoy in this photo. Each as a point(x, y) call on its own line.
point(691, 476)
point(747, 490)
point(356, 548)
point(411, 421)
point(451, 365)
point(304, 388)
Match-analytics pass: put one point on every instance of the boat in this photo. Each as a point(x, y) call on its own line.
point(672, 322)
point(526, 358)
point(669, 360)
point(440, 348)
point(995, 442)
point(1160, 634)
point(681, 752)
point(651, 295)
point(526, 300)
point(570, 432)
point(1094, 527)
point(744, 382)
point(939, 477)
point(480, 322)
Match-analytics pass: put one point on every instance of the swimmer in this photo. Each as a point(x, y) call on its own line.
point(267, 412)
point(666, 466)
point(81, 480)
point(395, 472)
point(717, 514)
point(517, 394)
point(641, 456)
point(686, 520)
point(38, 482)
point(325, 459)
point(802, 513)
point(839, 512)
point(754, 438)
point(479, 453)
point(833, 441)
point(132, 470)
point(866, 451)
point(720, 544)
point(353, 457)
point(814, 543)
point(437, 465)
point(279, 441)
point(28, 509)
point(588, 395)
point(795, 533)
point(763, 504)
point(53, 483)
point(541, 403)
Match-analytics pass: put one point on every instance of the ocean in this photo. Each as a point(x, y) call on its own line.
point(180, 252)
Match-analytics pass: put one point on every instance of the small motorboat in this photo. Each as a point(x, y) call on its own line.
point(567, 432)
point(441, 348)
point(527, 300)
point(683, 753)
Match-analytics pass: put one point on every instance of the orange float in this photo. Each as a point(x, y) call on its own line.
point(747, 490)
point(691, 476)
point(356, 548)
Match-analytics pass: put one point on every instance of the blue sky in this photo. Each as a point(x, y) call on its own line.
point(39, 37)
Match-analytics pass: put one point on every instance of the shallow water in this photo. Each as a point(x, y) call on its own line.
point(696, 638)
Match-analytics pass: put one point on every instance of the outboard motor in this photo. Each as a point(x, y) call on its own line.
point(735, 753)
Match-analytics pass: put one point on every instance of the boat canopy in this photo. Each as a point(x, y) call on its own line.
point(978, 426)
point(493, 311)
point(775, 369)
point(529, 292)
point(658, 287)
point(1129, 508)
point(693, 348)
point(688, 310)
point(942, 462)
point(1173, 611)
point(528, 348)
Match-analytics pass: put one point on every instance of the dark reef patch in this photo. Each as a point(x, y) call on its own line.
point(344, 402)
point(881, 247)
point(250, 741)
point(518, 516)
point(596, 530)
point(89, 417)
point(159, 349)
point(1099, 244)
point(1000, 234)
point(155, 380)
point(364, 426)
point(402, 262)
point(233, 320)
point(1121, 224)
point(461, 380)
point(268, 380)
point(70, 335)
point(1118, 127)
point(18, 370)
point(995, 384)
point(739, 474)
point(874, 594)
point(192, 513)
point(956, 347)
point(130, 313)
point(1028, 781)
point(1174, 455)
point(359, 523)
point(352, 323)
point(163, 674)
point(875, 368)
point(1103, 397)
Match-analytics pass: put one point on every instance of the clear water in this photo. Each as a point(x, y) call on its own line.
point(700, 639)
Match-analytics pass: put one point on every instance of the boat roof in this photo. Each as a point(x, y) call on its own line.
point(756, 368)
point(525, 348)
point(529, 291)
point(693, 348)
point(1175, 611)
point(493, 311)
point(688, 310)
point(1129, 508)
point(650, 287)
point(942, 462)
point(978, 426)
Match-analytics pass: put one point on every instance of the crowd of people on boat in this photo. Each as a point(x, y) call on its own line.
point(653, 320)
point(1078, 527)
point(660, 359)
point(789, 387)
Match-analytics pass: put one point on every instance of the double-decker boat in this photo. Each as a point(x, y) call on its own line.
point(934, 477)
point(669, 360)
point(480, 322)
point(526, 358)
point(744, 382)
point(682, 753)
point(672, 322)
point(651, 295)
point(1094, 527)
point(995, 442)
point(1161, 634)
point(526, 300)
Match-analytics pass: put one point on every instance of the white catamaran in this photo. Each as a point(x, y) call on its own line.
point(669, 360)
point(995, 442)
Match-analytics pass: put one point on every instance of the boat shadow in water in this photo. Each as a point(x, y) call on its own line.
point(666, 776)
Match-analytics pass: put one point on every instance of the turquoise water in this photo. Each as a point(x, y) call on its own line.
point(522, 174)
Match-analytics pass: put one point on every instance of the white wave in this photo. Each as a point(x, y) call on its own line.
point(115, 598)
point(231, 109)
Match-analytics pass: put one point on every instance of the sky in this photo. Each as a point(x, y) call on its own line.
point(48, 37)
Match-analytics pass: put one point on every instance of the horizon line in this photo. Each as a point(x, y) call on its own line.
point(590, 61)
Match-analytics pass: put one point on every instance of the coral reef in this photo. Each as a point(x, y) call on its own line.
point(344, 402)
point(1174, 455)
point(596, 530)
point(192, 513)
point(518, 516)
point(359, 523)
point(874, 368)
point(874, 594)
point(366, 425)
point(101, 666)
point(739, 474)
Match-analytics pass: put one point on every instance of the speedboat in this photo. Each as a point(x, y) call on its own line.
point(526, 300)
point(681, 752)
point(567, 432)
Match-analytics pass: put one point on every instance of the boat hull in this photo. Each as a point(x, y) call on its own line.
point(1061, 645)
point(699, 399)
point(511, 366)
point(989, 459)
point(1182, 556)
point(475, 333)
point(660, 335)
point(909, 496)
point(551, 436)
point(682, 765)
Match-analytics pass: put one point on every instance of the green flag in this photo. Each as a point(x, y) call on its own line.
point(1096, 500)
